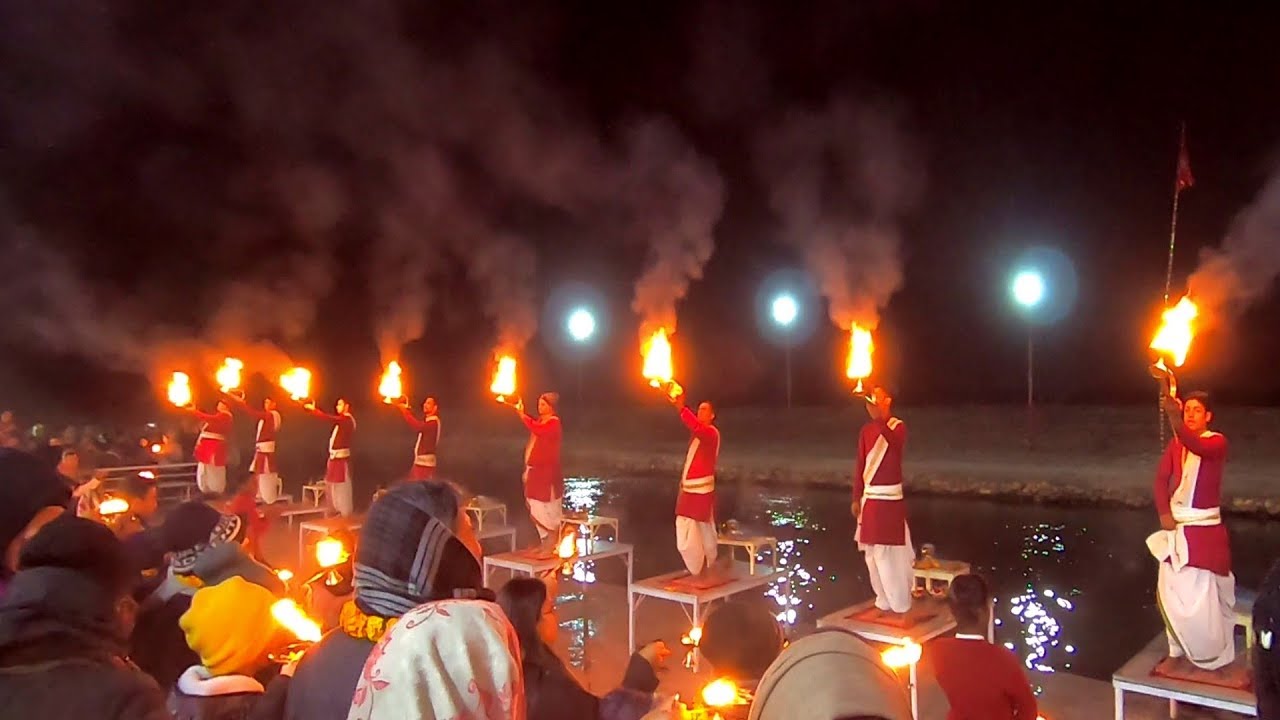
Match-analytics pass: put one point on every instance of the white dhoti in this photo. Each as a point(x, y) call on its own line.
point(546, 516)
point(268, 487)
point(211, 479)
point(1198, 614)
point(696, 542)
point(890, 568)
point(340, 496)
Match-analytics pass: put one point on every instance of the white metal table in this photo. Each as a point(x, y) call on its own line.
point(753, 544)
point(1135, 677)
point(590, 525)
point(943, 571)
point(496, 531)
point(535, 561)
point(480, 506)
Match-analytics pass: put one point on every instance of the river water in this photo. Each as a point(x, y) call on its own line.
point(1074, 586)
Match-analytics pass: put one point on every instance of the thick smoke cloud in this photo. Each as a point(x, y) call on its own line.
point(840, 180)
point(268, 141)
point(1245, 267)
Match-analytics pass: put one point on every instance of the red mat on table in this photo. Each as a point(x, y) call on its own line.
point(689, 582)
point(1232, 677)
point(537, 553)
point(921, 611)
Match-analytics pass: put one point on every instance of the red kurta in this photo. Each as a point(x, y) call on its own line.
point(1202, 459)
point(211, 445)
point(543, 478)
point(344, 429)
point(697, 499)
point(264, 440)
point(880, 445)
point(424, 450)
point(981, 681)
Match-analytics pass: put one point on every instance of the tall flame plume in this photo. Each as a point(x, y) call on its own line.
point(504, 378)
point(858, 366)
point(391, 387)
point(1177, 328)
point(297, 382)
point(290, 616)
point(229, 373)
point(180, 389)
point(657, 369)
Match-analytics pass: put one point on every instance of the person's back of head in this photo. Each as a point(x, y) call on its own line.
point(31, 494)
point(231, 628)
point(970, 600)
point(741, 640)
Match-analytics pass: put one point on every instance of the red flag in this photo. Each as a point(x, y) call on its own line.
point(1185, 179)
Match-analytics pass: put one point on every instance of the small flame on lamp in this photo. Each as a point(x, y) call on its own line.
point(330, 552)
point(567, 550)
point(156, 448)
point(285, 574)
point(297, 382)
point(180, 389)
point(1177, 328)
point(290, 616)
point(113, 506)
point(900, 656)
point(391, 388)
point(228, 375)
point(147, 474)
point(504, 378)
point(721, 692)
point(861, 347)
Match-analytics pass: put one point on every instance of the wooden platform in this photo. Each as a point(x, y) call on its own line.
point(1135, 677)
point(929, 618)
point(324, 527)
point(669, 586)
point(537, 561)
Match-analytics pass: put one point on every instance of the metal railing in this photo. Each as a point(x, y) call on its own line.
point(175, 481)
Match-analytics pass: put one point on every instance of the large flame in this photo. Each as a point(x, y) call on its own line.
point(900, 656)
point(567, 549)
point(861, 346)
point(113, 506)
point(657, 358)
point(1176, 331)
point(290, 616)
point(228, 375)
point(504, 378)
point(180, 389)
point(330, 552)
point(723, 692)
point(390, 388)
point(297, 382)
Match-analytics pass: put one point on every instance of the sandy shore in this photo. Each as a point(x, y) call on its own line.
point(1091, 455)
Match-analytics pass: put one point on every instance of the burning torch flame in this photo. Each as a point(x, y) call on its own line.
point(722, 692)
point(290, 616)
point(228, 375)
point(860, 348)
point(657, 363)
point(113, 506)
point(180, 389)
point(285, 575)
point(391, 388)
point(147, 474)
point(691, 640)
point(504, 378)
point(1176, 331)
point(567, 550)
point(330, 552)
point(900, 656)
point(156, 448)
point(297, 382)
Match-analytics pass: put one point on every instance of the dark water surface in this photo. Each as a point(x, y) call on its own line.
point(1075, 586)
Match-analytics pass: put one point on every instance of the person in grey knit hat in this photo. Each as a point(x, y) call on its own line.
point(830, 675)
point(415, 546)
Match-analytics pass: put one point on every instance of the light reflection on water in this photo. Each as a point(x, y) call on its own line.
point(1038, 608)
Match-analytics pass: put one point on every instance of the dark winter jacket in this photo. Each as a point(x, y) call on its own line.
point(158, 645)
point(326, 677)
point(198, 696)
point(552, 693)
point(63, 656)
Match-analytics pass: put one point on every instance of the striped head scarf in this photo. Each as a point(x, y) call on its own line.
point(408, 554)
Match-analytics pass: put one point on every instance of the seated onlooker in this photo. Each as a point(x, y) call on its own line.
point(408, 554)
point(64, 624)
point(551, 691)
point(740, 640)
point(230, 628)
point(981, 680)
point(31, 496)
point(444, 659)
point(830, 675)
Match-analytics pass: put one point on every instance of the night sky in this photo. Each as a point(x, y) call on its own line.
point(459, 175)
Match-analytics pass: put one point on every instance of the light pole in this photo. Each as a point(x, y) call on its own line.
point(581, 326)
point(785, 310)
point(1028, 291)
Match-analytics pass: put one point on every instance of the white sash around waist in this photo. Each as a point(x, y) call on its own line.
point(882, 492)
point(265, 446)
point(339, 453)
point(1172, 544)
point(206, 435)
point(428, 460)
point(699, 486)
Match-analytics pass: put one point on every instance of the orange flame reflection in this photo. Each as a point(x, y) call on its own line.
point(228, 375)
point(504, 378)
point(297, 382)
point(180, 389)
point(390, 388)
point(861, 346)
point(1176, 331)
